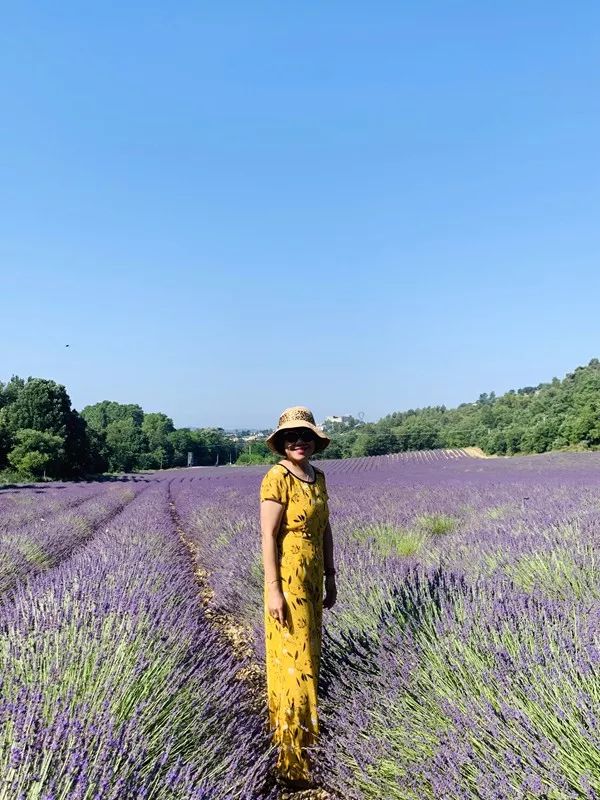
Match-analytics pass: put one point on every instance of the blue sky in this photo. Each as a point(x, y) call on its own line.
point(228, 208)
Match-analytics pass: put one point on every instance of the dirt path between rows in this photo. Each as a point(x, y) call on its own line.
point(238, 638)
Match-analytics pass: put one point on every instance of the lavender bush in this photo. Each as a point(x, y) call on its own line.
point(37, 533)
point(113, 683)
point(461, 660)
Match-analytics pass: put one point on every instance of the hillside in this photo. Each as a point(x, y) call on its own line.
point(561, 414)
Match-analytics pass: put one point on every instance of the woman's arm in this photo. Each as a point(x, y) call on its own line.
point(330, 586)
point(270, 519)
point(328, 548)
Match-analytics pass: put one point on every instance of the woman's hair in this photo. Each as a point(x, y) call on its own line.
point(279, 443)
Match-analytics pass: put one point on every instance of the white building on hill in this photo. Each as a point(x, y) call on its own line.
point(333, 418)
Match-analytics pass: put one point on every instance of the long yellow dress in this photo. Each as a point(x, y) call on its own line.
point(293, 653)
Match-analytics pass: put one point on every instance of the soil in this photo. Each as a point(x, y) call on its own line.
point(476, 452)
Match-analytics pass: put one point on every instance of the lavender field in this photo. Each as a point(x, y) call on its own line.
point(462, 659)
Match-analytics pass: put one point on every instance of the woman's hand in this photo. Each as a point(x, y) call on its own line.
point(276, 604)
point(330, 592)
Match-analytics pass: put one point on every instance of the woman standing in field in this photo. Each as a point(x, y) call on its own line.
point(297, 549)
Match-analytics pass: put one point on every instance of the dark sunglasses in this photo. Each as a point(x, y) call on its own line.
point(299, 434)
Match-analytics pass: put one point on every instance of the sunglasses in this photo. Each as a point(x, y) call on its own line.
point(299, 434)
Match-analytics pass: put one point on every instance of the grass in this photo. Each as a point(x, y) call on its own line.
point(497, 512)
point(436, 524)
point(389, 539)
point(556, 574)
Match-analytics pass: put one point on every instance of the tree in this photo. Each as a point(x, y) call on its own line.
point(117, 429)
point(43, 405)
point(255, 452)
point(37, 453)
point(100, 415)
point(98, 459)
point(10, 390)
point(181, 443)
point(157, 428)
point(210, 444)
point(540, 437)
point(418, 432)
point(5, 440)
point(583, 425)
point(513, 436)
point(126, 444)
point(373, 443)
point(340, 426)
point(334, 450)
point(79, 456)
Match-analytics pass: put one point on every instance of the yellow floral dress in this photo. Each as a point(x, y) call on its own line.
point(293, 652)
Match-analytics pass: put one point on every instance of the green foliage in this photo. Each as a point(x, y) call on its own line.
point(36, 453)
point(436, 524)
point(389, 539)
point(126, 444)
point(557, 573)
point(257, 458)
point(180, 441)
point(497, 512)
point(108, 435)
point(347, 423)
point(121, 437)
point(534, 419)
point(157, 429)
point(372, 442)
point(419, 432)
point(210, 446)
point(342, 445)
point(100, 415)
point(256, 451)
point(43, 406)
point(129, 439)
point(10, 475)
point(5, 439)
point(10, 390)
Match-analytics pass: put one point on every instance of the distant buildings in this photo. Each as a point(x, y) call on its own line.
point(247, 435)
point(334, 419)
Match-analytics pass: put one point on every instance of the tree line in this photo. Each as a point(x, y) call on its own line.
point(535, 419)
point(41, 435)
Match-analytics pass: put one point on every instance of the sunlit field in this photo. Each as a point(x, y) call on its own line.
point(462, 659)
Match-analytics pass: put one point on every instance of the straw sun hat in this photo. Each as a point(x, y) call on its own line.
point(297, 417)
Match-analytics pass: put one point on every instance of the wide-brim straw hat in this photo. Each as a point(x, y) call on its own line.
point(297, 417)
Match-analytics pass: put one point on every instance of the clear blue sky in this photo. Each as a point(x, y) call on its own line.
point(226, 208)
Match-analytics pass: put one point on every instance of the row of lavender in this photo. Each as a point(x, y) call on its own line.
point(40, 526)
point(462, 659)
point(112, 683)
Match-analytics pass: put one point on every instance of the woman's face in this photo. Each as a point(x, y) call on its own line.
point(299, 444)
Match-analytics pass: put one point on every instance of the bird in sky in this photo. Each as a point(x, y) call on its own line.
point(66, 345)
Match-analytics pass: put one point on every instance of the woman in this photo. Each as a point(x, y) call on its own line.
point(297, 549)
